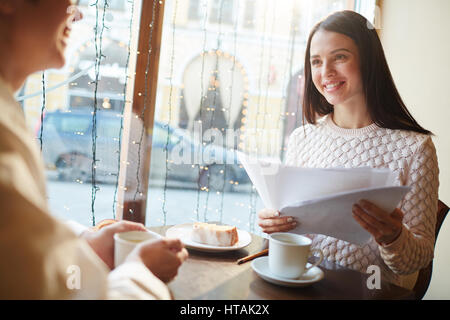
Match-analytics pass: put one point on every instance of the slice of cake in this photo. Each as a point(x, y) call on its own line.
point(214, 235)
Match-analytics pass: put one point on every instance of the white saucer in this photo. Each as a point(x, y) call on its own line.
point(261, 267)
point(183, 232)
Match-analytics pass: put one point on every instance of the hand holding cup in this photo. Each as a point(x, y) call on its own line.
point(160, 255)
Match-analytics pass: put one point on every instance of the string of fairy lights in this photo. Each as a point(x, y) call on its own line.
point(213, 111)
point(230, 89)
point(253, 193)
point(263, 115)
point(166, 149)
point(98, 42)
point(130, 27)
point(41, 132)
point(288, 74)
point(202, 99)
point(215, 53)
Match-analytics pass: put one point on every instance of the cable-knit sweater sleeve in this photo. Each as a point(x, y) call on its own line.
point(413, 250)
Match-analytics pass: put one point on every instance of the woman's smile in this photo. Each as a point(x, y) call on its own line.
point(333, 86)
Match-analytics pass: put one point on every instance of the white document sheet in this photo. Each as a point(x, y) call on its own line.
point(322, 199)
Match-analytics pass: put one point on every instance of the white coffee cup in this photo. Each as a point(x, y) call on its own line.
point(125, 242)
point(289, 253)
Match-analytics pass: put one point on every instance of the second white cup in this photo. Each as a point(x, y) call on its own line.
point(125, 242)
point(289, 253)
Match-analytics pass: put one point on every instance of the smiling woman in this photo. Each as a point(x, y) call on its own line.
point(356, 118)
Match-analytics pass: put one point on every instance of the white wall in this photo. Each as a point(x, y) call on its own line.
point(416, 39)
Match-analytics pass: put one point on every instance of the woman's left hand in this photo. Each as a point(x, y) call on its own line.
point(383, 226)
point(102, 241)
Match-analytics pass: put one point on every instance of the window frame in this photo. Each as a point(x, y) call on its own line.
point(135, 210)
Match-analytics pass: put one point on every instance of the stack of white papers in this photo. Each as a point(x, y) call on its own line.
point(322, 199)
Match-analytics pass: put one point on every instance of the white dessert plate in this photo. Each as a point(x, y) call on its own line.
point(183, 232)
point(261, 267)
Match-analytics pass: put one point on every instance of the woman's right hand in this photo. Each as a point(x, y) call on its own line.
point(270, 221)
point(162, 257)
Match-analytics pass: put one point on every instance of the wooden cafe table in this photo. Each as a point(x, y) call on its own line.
point(217, 276)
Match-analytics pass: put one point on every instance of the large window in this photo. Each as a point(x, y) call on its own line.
point(231, 82)
point(145, 119)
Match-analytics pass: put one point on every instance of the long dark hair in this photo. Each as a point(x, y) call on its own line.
point(385, 106)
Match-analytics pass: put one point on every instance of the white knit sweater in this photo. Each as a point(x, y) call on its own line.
point(411, 156)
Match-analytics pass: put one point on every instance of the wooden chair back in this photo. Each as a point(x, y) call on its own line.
point(424, 277)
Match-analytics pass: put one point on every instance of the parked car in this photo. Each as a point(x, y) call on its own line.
point(204, 166)
point(67, 148)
